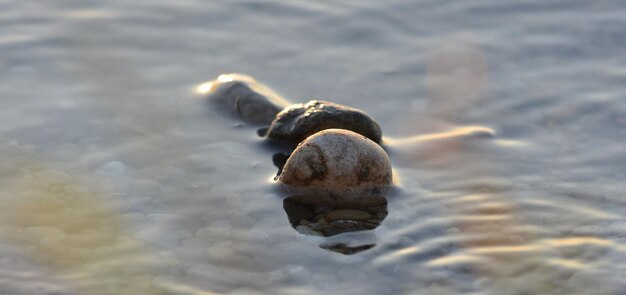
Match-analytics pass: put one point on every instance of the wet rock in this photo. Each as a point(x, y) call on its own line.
point(279, 160)
point(338, 167)
point(242, 96)
point(299, 121)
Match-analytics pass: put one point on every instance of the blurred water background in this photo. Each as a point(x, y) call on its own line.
point(117, 178)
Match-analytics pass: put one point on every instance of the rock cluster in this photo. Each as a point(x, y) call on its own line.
point(337, 175)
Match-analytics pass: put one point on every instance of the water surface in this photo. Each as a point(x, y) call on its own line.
point(118, 178)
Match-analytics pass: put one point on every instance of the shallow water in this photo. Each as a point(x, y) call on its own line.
point(118, 178)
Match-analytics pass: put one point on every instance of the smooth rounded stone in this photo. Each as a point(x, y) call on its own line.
point(241, 95)
point(299, 121)
point(337, 166)
point(347, 214)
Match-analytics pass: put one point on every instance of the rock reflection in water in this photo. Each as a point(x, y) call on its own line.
point(345, 249)
point(310, 218)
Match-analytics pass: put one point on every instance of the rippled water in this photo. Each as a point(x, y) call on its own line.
point(118, 178)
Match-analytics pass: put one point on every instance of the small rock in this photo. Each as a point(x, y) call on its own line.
point(338, 166)
point(347, 214)
point(299, 121)
point(243, 96)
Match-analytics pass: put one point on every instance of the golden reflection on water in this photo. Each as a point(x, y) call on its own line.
point(579, 241)
point(88, 14)
point(76, 233)
point(499, 249)
point(71, 228)
point(457, 75)
point(495, 243)
point(455, 133)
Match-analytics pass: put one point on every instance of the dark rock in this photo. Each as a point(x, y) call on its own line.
point(242, 96)
point(279, 160)
point(297, 211)
point(299, 121)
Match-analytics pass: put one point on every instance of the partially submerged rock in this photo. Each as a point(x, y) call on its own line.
point(299, 121)
point(338, 166)
point(240, 95)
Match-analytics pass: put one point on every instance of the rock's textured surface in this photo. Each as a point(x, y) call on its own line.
point(338, 165)
point(299, 121)
point(242, 96)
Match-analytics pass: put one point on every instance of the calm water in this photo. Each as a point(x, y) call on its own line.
point(117, 177)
